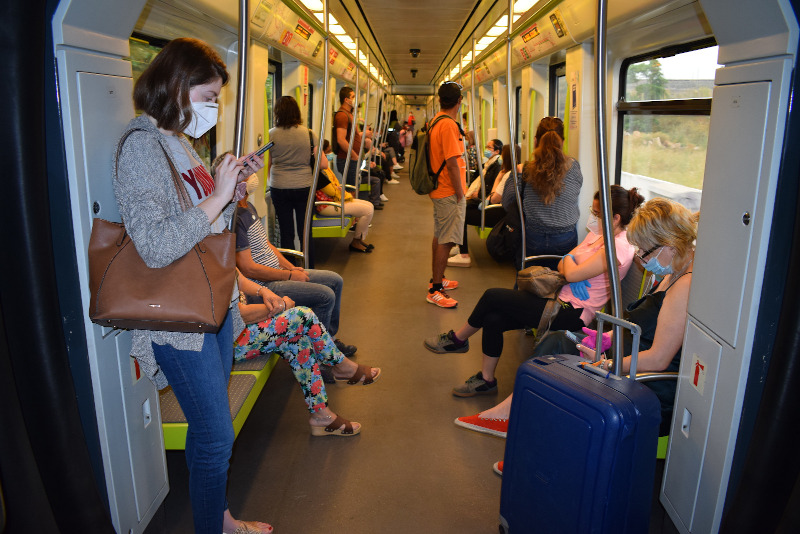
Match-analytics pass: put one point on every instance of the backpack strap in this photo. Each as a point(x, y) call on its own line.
point(428, 145)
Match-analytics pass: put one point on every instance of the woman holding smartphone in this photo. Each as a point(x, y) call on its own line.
point(177, 94)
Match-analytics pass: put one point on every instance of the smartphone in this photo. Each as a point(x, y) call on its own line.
point(572, 337)
point(261, 150)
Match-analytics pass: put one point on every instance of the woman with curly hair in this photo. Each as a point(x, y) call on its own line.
point(551, 184)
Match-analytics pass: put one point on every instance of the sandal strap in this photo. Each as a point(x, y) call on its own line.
point(339, 421)
point(361, 371)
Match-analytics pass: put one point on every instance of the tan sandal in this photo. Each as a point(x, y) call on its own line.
point(334, 430)
point(362, 371)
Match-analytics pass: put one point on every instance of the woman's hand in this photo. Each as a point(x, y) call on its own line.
point(587, 352)
point(227, 177)
point(251, 164)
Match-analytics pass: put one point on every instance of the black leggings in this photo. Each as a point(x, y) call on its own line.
point(290, 208)
point(500, 310)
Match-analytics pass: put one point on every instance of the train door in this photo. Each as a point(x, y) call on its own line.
point(95, 91)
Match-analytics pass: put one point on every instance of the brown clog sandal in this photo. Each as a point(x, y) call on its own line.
point(362, 371)
point(333, 428)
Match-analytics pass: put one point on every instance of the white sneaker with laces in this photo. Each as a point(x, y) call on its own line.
point(395, 175)
point(383, 198)
point(392, 181)
point(454, 250)
point(397, 167)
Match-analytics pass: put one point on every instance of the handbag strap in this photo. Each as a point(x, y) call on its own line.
point(183, 197)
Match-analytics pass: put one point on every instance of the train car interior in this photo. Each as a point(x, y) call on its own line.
point(690, 100)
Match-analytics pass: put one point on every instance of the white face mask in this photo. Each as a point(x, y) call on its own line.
point(204, 117)
point(593, 225)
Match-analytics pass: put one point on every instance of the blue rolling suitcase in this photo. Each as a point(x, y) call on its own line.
point(580, 452)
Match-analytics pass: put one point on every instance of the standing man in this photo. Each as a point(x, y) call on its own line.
point(342, 125)
point(447, 145)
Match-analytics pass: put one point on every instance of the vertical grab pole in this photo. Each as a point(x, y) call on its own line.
point(241, 82)
point(474, 111)
point(312, 192)
point(352, 135)
point(363, 136)
point(355, 113)
point(511, 127)
point(602, 175)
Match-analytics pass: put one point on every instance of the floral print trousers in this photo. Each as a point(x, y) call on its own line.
point(301, 340)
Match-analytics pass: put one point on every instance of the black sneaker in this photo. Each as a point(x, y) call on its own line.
point(327, 374)
point(446, 344)
point(347, 350)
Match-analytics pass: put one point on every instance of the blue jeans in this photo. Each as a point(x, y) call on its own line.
point(322, 293)
point(537, 243)
point(351, 170)
point(200, 383)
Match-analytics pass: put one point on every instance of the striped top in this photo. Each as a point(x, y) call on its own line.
point(250, 234)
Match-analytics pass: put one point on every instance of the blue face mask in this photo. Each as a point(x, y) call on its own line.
point(656, 268)
point(488, 153)
point(330, 156)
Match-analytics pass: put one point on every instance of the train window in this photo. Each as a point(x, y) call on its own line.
point(664, 112)
point(269, 95)
point(558, 91)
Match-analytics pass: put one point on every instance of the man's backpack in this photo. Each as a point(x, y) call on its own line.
point(422, 177)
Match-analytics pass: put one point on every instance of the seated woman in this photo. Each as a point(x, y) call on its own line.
point(550, 187)
point(500, 310)
point(329, 189)
point(274, 324)
point(664, 233)
point(474, 205)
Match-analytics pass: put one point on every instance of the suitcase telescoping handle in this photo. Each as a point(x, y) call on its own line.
point(635, 330)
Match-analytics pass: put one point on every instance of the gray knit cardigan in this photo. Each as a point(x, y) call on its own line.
point(159, 229)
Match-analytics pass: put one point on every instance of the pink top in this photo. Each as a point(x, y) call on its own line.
point(599, 292)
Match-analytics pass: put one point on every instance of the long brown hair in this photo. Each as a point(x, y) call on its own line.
point(506, 157)
point(548, 166)
point(162, 91)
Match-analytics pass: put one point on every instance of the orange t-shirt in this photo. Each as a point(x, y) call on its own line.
point(445, 141)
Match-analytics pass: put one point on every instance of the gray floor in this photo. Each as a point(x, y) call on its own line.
point(411, 469)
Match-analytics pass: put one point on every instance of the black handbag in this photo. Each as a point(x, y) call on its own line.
point(505, 238)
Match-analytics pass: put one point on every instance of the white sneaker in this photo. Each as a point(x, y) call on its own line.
point(395, 176)
point(383, 198)
point(454, 250)
point(392, 181)
point(459, 260)
point(397, 167)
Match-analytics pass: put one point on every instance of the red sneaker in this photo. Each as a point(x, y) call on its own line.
point(498, 467)
point(441, 299)
point(495, 427)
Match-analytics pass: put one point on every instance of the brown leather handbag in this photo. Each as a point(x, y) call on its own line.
point(545, 283)
point(192, 294)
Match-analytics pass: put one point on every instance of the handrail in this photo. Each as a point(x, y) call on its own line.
point(241, 82)
point(363, 134)
point(511, 126)
point(603, 179)
point(475, 133)
point(312, 193)
point(355, 112)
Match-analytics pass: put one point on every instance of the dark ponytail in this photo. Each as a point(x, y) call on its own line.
point(624, 203)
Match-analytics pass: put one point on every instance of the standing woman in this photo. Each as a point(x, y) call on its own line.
point(290, 169)
point(176, 94)
point(551, 185)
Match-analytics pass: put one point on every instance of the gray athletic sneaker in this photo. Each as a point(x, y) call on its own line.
point(475, 385)
point(445, 344)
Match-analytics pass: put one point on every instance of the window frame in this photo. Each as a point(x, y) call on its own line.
point(691, 106)
point(557, 70)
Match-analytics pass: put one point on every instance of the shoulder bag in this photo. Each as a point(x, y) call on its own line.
point(545, 283)
point(192, 294)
